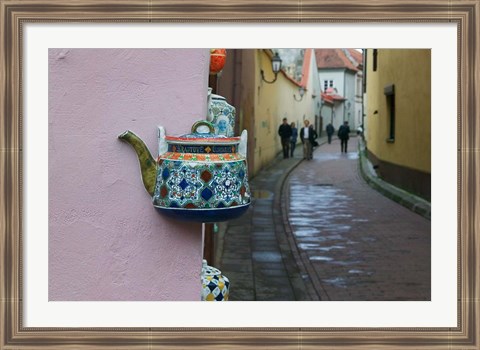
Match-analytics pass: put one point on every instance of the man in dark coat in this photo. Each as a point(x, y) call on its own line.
point(285, 132)
point(344, 135)
point(308, 136)
point(330, 130)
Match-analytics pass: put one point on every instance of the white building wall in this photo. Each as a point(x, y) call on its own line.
point(345, 82)
point(336, 75)
point(358, 99)
point(349, 95)
point(314, 93)
point(335, 114)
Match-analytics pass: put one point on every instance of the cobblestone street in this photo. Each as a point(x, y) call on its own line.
point(322, 233)
point(360, 244)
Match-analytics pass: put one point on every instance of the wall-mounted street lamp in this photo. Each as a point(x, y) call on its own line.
point(276, 66)
point(301, 92)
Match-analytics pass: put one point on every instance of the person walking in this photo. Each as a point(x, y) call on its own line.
point(293, 139)
point(308, 136)
point(330, 130)
point(285, 132)
point(344, 135)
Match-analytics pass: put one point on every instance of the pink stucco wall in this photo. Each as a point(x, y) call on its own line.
point(106, 241)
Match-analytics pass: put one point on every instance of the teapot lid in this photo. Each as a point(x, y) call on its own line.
point(203, 131)
point(208, 270)
point(218, 97)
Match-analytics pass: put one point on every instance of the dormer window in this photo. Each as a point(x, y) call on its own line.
point(327, 84)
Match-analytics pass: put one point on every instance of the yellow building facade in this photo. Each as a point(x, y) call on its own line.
point(261, 106)
point(280, 100)
point(398, 116)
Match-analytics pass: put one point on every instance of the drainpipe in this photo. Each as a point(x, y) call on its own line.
point(237, 67)
point(364, 84)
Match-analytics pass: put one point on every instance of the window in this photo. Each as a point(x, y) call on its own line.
point(359, 87)
point(327, 84)
point(389, 92)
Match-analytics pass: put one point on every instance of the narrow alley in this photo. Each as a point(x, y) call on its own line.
point(318, 231)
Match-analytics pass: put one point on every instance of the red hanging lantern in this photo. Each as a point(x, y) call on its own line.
point(217, 60)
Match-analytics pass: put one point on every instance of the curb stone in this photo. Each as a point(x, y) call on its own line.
point(408, 200)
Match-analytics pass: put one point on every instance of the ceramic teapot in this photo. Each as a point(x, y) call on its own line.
point(221, 114)
point(197, 177)
point(215, 286)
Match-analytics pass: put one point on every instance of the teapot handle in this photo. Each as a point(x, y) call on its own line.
point(162, 143)
point(200, 123)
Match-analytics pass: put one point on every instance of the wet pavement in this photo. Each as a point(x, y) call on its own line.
point(317, 231)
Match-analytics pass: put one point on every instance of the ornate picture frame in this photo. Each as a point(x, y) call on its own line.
point(14, 14)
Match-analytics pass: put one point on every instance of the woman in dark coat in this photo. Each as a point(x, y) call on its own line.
point(293, 140)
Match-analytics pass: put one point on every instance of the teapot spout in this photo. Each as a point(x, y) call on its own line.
point(148, 165)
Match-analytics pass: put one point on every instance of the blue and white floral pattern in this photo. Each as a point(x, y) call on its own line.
point(222, 116)
point(201, 185)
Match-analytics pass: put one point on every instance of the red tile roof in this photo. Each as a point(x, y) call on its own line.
point(306, 67)
point(330, 96)
point(357, 55)
point(327, 99)
point(335, 58)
